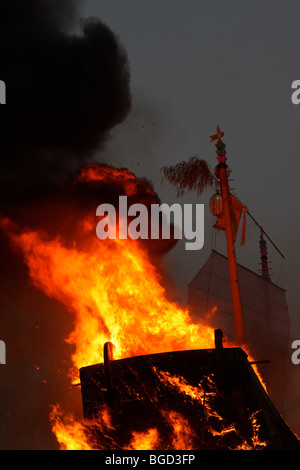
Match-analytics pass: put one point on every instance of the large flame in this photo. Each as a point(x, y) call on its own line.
point(115, 294)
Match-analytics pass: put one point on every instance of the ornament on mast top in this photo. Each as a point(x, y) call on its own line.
point(221, 152)
point(217, 136)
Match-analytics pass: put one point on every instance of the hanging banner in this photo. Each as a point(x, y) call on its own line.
point(236, 209)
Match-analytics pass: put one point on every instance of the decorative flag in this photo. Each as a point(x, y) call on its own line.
point(236, 209)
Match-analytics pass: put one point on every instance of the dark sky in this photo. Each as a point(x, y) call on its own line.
point(193, 65)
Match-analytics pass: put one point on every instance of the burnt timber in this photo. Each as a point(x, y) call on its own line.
point(220, 415)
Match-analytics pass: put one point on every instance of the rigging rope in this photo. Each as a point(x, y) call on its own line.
point(258, 225)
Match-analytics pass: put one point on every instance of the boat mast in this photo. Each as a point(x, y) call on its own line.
point(221, 172)
point(264, 257)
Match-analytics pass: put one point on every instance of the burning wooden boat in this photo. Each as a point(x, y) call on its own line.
point(195, 399)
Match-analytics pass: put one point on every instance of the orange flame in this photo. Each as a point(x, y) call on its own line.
point(115, 294)
point(144, 440)
point(183, 434)
point(70, 433)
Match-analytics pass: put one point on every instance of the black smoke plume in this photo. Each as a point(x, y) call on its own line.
point(67, 85)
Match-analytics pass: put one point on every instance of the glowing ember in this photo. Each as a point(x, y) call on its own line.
point(95, 173)
point(147, 440)
point(195, 393)
point(182, 433)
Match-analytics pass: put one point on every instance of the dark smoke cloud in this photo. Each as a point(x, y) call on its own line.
point(65, 92)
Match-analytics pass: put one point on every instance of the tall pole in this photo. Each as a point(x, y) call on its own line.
point(264, 257)
point(222, 174)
